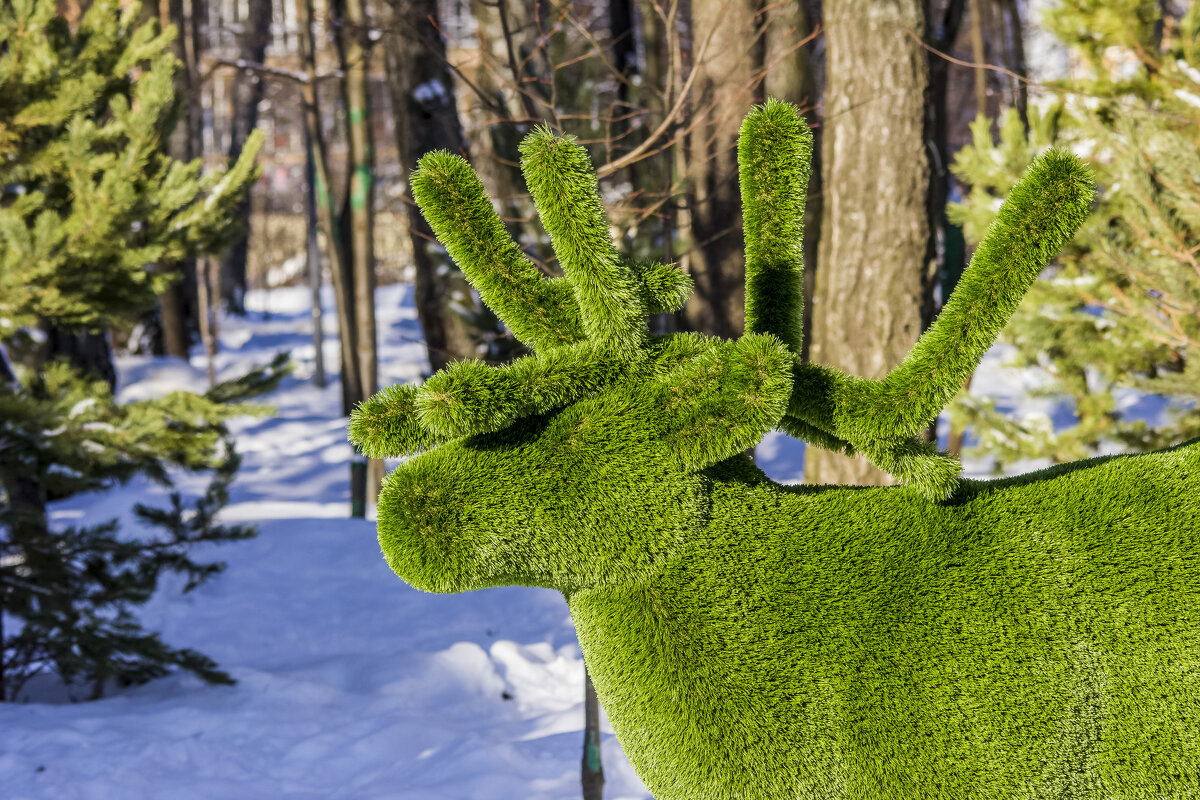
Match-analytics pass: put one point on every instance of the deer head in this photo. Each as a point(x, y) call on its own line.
point(586, 462)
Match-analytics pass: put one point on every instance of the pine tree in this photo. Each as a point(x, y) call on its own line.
point(1121, 309)
point(89, 205)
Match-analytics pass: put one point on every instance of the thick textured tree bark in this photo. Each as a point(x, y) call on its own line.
point(426, 119)
point(722, 37)
point(872, 277)
point(247, 93)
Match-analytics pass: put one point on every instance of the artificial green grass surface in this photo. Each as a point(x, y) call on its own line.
point(1037, 637)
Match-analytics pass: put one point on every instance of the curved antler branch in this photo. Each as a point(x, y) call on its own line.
point(469, 397)
point(723, 398)
point(664, 287)
point(1042, 213)
point(560, 177)
point(540, 312)
point(386, 425)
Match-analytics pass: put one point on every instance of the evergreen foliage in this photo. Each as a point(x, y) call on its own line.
point(89, 196)
point(1120, 309)
point(761, 642)
point(89, 205)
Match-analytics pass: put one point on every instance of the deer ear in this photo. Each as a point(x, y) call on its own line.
point(723, 400)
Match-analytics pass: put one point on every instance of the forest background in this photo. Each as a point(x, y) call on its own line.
point(353, 94)
point(924, 113)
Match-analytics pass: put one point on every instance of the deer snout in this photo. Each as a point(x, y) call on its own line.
point(421, 532)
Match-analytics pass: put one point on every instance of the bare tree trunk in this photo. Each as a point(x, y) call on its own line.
point(723, 33)
point(937, 125)
point(3, 690)
point(493, 112)
point(343, 278)
point(27, 500)
point(592, 772)
point(1014, 40)
point(177, 305)
point(87, 351)
point(314, 264)
point(873, 276)
point(426, 119)
point(655, 174)
point(173, 311)
point(354, 53)
point(207, 298)
point(979, 57)
point(248, 87)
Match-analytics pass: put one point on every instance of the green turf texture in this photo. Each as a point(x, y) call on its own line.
point(946, 639)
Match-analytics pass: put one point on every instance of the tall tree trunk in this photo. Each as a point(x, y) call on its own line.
point(979, 56)
point(177, 303)
point(654, 174)
point(342, 277)
point(247, 93)
point(422, 94)
point(723, 45)
point(313, 251)
point(487, 111)
point(207, 302)
point(354, 53)
point(873, 276)
point(27, 500)
point(942, 34)
point(1014, 38)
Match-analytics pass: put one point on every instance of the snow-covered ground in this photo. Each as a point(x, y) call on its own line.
point(350, 683)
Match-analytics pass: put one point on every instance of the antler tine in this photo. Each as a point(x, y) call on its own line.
point(469, 397)
point(774, 164)
point(664, 287)
point(1042, 213)
point(386, 425)
point(561, 179)
point(540, 312)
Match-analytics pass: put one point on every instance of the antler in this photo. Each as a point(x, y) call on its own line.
point(881, 418)
point(588, 327)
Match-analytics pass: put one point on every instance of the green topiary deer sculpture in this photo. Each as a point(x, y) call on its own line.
point(1035, 637)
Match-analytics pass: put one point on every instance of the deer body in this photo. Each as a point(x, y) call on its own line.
point(983, 649)
point(1037, 637)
